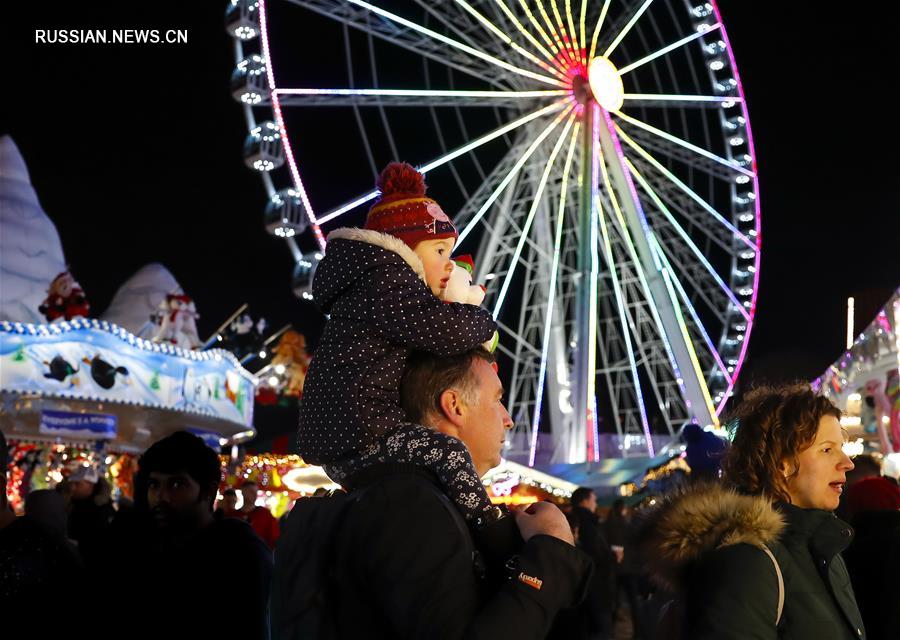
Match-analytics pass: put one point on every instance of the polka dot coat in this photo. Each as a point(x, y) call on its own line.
point(372, 287)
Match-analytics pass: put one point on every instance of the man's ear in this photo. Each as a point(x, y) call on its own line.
point(452, 406)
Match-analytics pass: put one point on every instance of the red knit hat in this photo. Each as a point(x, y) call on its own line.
point(403, 211)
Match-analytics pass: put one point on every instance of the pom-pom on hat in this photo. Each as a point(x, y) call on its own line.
point(403, 211)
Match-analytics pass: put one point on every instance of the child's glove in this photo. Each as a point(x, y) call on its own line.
point(460, 289)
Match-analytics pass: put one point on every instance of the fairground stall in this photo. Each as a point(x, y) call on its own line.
point(865, 383)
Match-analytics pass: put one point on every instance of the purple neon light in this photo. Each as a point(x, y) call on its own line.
point(595, 195)
point(279, 120)
point(758, 225)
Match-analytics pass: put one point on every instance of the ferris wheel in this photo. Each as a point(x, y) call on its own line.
point(609, 193)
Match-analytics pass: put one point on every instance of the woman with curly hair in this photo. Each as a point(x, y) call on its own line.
point(758, 555)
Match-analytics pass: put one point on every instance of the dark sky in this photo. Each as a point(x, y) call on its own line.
point(135, 152)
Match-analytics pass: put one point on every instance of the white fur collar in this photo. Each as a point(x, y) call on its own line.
point(383, 240)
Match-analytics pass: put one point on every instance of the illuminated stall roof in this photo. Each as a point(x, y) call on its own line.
point(93, 380)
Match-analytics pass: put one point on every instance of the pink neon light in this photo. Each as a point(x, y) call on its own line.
point(279, 120)
point(758, 225)
point(595, 194)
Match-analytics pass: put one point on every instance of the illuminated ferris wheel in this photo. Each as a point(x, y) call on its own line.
point(611, 204)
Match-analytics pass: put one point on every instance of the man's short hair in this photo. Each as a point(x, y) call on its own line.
point(865, 465)
point(229, 493)
point(581, 494)
point(181, 451)
point(249, 483)
point(427, 376)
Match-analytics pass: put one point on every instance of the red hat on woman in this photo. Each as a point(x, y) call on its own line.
point(403, 211)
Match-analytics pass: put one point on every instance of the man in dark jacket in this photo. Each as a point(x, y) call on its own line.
point(600, 602)
point(400, 561)
point(180, 560)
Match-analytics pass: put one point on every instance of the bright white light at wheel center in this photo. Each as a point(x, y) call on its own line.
point(606, 84)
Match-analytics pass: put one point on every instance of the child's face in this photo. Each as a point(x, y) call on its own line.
point(435, 256)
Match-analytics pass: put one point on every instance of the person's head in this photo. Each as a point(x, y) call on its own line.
point(864, 466)
point(460, 396)
point(83, 482)
point(403, 211)
point(4, 458)
point(249, 491)
point(178, 478)
point(47, 507)
point(619, 508)
point(229, 500)
point(872, 494)
point(788, 446)
point(585, 498)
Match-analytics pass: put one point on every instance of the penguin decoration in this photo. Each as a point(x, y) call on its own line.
point(60, 369)
point(103, 373)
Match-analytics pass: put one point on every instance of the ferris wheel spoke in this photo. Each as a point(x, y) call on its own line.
point(686, 238)
point(597, 27)
point(559, 46)
point(445, 19)
point(705, 30)
point(427, 43)
point(628, 26)
point(570, 19)
point(680, 203)
point(523, 236)
point(654, 144)
point(510, 176)
point(408, 38)
point(506, 39)
point(606, 245)
point(308, 97)
point(680, 101)
point(681, 185)
point(673, 330)
point(466, 148)
point(551, 297)
point(582, 20)
point(686, 301)
point(684, 143)
point(525, 32)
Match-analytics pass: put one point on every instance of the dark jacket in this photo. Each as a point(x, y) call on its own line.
point(372, 285)
point(592, 540)
point(873, 561)
point(706, 545)
point(403, 565)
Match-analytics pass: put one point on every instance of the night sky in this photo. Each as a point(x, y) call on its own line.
point(135, 153)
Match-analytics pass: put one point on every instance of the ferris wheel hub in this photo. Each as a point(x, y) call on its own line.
point(606, 84)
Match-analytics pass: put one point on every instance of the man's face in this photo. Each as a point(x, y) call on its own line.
point(590, 503)
point(485, 421)
point(249, 494)
point(82, 489)
point(175, 499)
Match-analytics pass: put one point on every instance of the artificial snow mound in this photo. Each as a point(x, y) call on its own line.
point(31, 253)
point(139, 298)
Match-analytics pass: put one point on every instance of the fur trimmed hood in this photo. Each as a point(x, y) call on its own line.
point(383, 240)
point(698, 520)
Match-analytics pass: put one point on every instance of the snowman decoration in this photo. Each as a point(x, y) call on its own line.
point(460, 289)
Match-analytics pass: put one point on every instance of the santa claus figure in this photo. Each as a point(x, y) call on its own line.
point(65, 299)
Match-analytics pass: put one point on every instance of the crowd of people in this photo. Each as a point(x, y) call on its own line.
point(403, 407)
